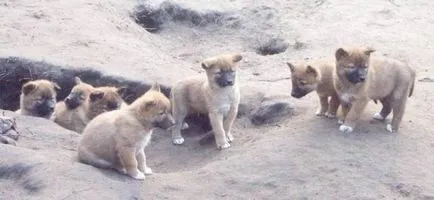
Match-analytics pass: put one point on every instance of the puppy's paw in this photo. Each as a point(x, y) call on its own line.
point(345, 129)
point(148, 171)
point(340, 121)
point(122, 170)
point(329, 115)
point(378, 116)
point(223, 146)
point(139, 176)
point(319, 113)
point(229, 137)
point(389, 128)
point(178, 140)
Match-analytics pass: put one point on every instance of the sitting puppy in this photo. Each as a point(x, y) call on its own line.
point(217, 95)
point(71, 113)
point(38, 98)
point(316, 75)
point(85, 103)
point(359, 78)
point(117, 139)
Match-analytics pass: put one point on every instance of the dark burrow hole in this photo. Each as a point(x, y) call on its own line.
point(154, 19)
point(272, 46)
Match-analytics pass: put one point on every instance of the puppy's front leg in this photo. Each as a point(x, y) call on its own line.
point(353, 115)
point(141, 163)
point(129, 160)
point(216, 120)
point(333, 106)
point(227, 123)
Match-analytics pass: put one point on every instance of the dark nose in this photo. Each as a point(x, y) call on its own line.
point(51, 109)
point(229, 82)
point(67, 100)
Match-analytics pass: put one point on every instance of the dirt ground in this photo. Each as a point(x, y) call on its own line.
point(299, 157)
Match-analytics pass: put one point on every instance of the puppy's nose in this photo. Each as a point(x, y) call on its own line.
point(362, 79)
point(68, 99)
point(51, 109)
point(229, 82)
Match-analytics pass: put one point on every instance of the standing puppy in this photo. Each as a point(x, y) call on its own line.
point(359, 78)
point(217, 95)
point(117, 139)
point(38, 98)
point(316, 75)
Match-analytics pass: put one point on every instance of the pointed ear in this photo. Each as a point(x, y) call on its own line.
point(206, 64)
point(236, 58)
point(56, 86)
point(341, 53)
point(311, 70)
point(77, 80)
point(291, 66)
point(156, 87)
point(27, 88)
point(24, 80)
point(369, 50)
point(121, 90)
point(95, 95)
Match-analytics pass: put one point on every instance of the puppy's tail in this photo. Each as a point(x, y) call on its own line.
point(89, 158)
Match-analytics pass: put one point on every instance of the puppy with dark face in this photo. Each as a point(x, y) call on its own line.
point(117, 139)
point(85, 103)
point(358, 77)
point(38, 98)
point(217, 95)
point(315, 76)
point(72, 112)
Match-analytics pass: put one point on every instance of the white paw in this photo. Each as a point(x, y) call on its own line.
point(139, 176)
point(224, 146)
point(178, 140)
point(389, 128)
point(340, 121)
point(378, 116)
point(329, 115)
point(148, 171)
point(230, 137)
point(346, 129)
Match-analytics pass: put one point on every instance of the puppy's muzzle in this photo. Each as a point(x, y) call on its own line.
point(226, 78)
point(166, 123)
point(298, 93)
point(45, 107)
point(357, 75)
point(72, 101)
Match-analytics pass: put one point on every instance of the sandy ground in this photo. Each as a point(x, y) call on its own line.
point(299, 157)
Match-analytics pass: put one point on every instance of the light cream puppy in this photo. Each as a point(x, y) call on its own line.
point(217, 95)
point(117, 139)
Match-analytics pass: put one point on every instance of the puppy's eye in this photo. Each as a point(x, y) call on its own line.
point(303, 82)
point(161, 113)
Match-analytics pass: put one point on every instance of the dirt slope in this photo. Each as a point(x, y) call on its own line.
point(300, 157)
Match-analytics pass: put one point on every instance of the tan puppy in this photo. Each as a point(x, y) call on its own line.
point(85, 103)
point(359, 78)
point(72, 112)
point(316, 75)
point(117, 139)
point(217, 95)
point(38, 98)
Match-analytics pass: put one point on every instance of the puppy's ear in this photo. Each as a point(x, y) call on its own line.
point(24, 80)
point(236, 58)
point(149, 105)
point(311, 70)
point(368, 51)
point(156, 87)
point(207, 64)
point(77, 80)
point(341, 53)
point(291, 66)
point(95, 95)
point(27, 88)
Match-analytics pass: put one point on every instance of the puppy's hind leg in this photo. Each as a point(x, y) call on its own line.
point(398, 107)
point(324, 104)
point(385, 111)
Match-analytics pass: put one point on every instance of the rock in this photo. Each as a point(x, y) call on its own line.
point(8, 132)
point(271, 110)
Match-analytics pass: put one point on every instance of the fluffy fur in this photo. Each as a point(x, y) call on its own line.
point(359, 78)
point(117, 139)
point(217, 95)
